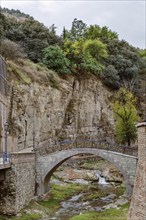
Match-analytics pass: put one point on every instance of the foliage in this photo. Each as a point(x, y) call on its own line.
point(95, 32)
point(14, 12)
point(54, 58)
point(95, 48)
point(110, 77)
point(77, 29)
point(28, 216)
point(125, 63)
point(126, 69)
point(74, 52)
point(126, 116)
point(32, 35)
point(19, 73)
point(85, 55)
point(10, 50)
point(90, 65)
point(142, 53)
point(82, 49)
point(4, 24)
point(25, 71)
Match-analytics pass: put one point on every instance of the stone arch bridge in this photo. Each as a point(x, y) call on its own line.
point(47, 164)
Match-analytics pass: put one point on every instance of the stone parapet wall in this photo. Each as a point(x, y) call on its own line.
point(18, 186)
point(18, 158)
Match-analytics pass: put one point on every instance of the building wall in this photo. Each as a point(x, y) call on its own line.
point(3, 101)
point(137, 209)
point(17, 188)
point(3, 113)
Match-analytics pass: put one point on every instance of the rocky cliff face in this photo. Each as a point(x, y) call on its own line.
point(41, 115)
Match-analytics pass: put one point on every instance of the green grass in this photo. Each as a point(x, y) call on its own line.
point(60, 193)
point(18, 72)
point(2, 217)
point(120, 190)
point(27, 216)
point(110, 214)
point(26, 72)
point(63, 192)
point(91, 164)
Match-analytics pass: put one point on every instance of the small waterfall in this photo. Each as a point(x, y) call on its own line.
point(102, 180)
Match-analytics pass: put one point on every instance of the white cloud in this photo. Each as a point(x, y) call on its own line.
point(16, 4)
point(125, 17)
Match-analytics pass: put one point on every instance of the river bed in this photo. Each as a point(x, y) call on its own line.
point(76, 192)
point(100, 196)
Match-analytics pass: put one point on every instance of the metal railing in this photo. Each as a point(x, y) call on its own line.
point(5, 158)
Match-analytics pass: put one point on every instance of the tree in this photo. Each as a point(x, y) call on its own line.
point(126, 116)
point(85, 56)
point(95, 48)
point(110, 77)
point(91, 65)
point(142, 53)
point(95, 31)
point(32, 35)
point(55, 59)
point(77, 30)
point(108, 34)
point(74, 52)
point(125, 60)
point(64, 33)
point(3, 24)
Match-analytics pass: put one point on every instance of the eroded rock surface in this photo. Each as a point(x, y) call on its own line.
point(40, 116)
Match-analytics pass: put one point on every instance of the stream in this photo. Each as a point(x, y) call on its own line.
point(78, 204)
point(76, 192)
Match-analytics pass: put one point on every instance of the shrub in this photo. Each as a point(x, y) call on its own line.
point(10, 50)
point(55, 59)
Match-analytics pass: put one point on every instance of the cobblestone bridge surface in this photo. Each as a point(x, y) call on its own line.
point(47, 164)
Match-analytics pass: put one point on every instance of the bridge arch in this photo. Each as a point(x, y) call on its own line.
point(47, 164)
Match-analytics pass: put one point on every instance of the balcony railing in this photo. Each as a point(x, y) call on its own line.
point(5, 158)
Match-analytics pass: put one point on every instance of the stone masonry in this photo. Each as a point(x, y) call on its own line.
point(46, 165)
point(137, 209)
point(3, 101)
point(17, 187)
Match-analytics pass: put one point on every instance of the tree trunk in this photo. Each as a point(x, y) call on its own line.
point(129, 142)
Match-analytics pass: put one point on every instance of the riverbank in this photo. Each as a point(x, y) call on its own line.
point(45, 210)
point(111, 214)
point(78, 194)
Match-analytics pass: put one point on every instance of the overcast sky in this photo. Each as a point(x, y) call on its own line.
point(127, 17)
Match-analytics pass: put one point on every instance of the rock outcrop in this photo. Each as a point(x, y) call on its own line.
point(40, 114)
